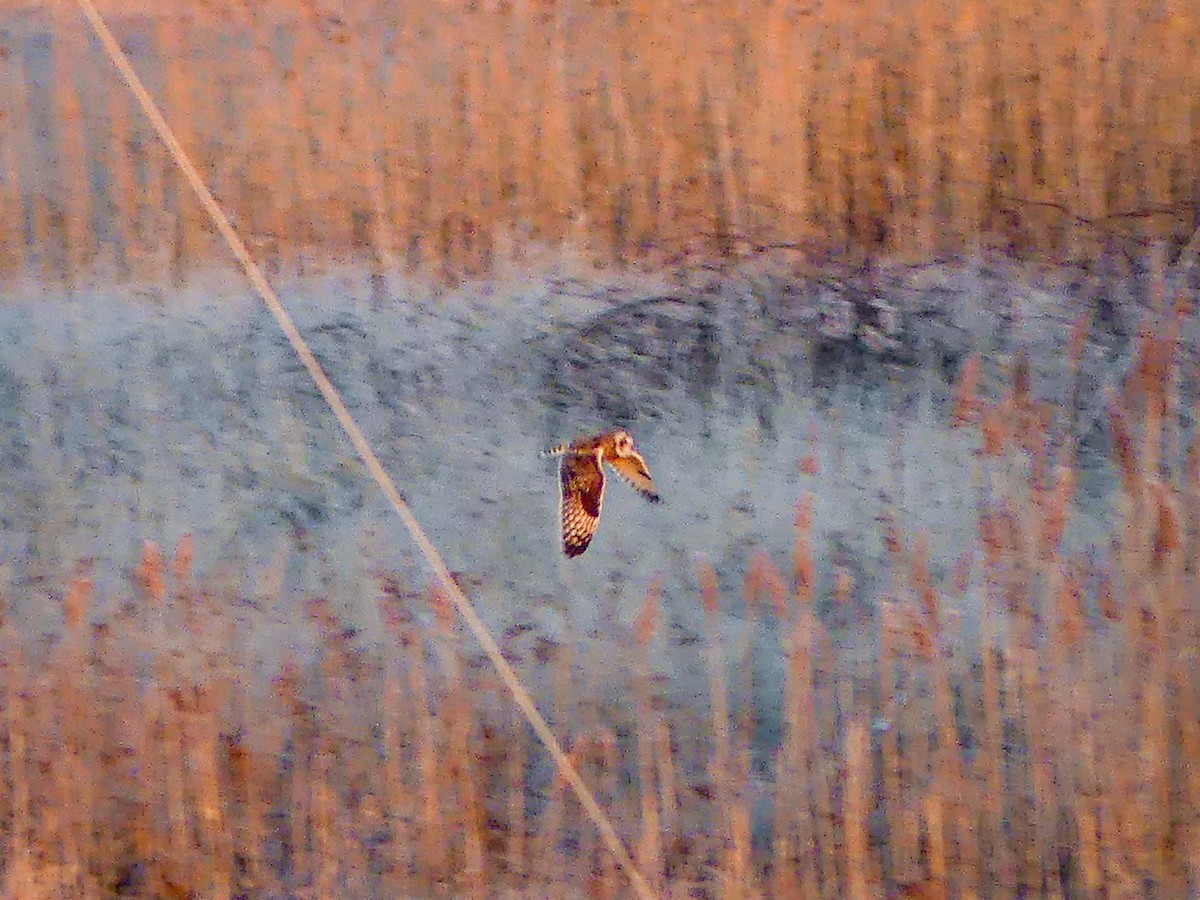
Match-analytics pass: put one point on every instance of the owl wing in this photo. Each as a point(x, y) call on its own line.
point(581, 494)
point(632, 469)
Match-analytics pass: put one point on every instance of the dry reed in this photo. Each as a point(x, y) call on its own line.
point(1047, 748)
point(445, 136)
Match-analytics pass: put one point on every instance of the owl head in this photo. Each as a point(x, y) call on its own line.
point(623, 444)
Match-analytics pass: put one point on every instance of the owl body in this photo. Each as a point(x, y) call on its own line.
point(581, 482)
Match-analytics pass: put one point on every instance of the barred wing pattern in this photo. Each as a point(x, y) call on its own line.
point(632, 469)
point(581, 495)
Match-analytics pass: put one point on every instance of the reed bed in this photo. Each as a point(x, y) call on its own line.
point(1025, 724)
point(445, 137)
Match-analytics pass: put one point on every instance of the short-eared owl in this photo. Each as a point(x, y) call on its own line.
point(581, 482)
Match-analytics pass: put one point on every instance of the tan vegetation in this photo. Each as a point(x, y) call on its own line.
point(446, 135)
point(1047, 746)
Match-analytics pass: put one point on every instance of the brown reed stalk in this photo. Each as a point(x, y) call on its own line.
point(930, 66)
point(260, 180)
point(397, 132)
point(602, 179)
point(323, 821)
point(1127, 181)
point(179, 865)
point(831, 105)
point(932, 812)
point(368, 104)
point(830, 691)
point(435, 143)
point(741, 866)
point(1054, 51)
point(524, 55)
point(860, 883)
point(250, 783)
point(454, 221)
point(556, 822)
point(432, 857)
point(664, 83)
point(399, 801)
point(148, 827)
point(15, 259)
point(501, 125)
point(912, 721)
point(205, 763)
point(497, 132)
point(1161, 625)
point(19, 874)
point(865, 181)
point(1083, 716)
point(802, 745)
point(947, 781)
point(803, 569)
point(305, 188)
point(763, 132)
point(719, 760)
point(236, 141)
point(1091, 119)
point(76, 732)
point(460, 758)
point(181, 94)
point(299, 872)
point(795, 850)
point(1057, 697)
point(650, 848)
point(329, 161)
point(666, 779)
point(726, 201)
point(795, 150)
point(156, 219)
point(972, 152)
point(632, 224)
point(480, 202)
point(737, 874)
point(79, 235)
point(1018, 678)
point(565, 171)
point(609, 879)
point(12, 239)
point(130, 248)
point(1140, 685)
point(1157, 172)
point(551, 867)
point(587, 749)
point(518, 824)
point(901, 813)
point(31, 157)
point(166, 738)
point(55, 853)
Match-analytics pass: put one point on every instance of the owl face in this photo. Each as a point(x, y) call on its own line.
point(623, 444)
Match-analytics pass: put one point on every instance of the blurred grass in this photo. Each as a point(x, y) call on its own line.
point(446, 136)
point(1046, 747)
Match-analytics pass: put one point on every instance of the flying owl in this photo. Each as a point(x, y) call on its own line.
point(581, 482)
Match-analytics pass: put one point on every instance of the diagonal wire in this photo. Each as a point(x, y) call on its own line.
point(370, 460)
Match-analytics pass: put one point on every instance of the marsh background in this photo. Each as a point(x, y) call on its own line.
point(885, 264)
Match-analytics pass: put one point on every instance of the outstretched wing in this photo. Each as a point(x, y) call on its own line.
point(581, 494)
point(632, 469)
